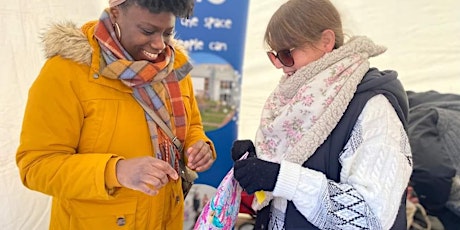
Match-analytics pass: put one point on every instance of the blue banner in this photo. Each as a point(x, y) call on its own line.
point(214, 37)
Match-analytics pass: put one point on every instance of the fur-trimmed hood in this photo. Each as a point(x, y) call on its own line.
point(71, 42)
point(98, 117)
point(67, 40)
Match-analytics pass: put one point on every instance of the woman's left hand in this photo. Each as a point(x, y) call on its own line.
point(200, 157)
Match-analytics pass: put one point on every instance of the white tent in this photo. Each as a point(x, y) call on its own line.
point(422, 37)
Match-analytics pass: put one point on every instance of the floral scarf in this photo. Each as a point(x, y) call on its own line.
point(153, 83)
point(303, 110)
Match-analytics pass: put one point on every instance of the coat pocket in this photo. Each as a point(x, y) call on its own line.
point(100, 215)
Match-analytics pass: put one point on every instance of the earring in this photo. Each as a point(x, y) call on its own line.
point(117, 30)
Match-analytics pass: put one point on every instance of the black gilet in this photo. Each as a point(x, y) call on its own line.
point(326, 157)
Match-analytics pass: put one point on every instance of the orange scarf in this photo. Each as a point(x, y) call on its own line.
point(153, 83)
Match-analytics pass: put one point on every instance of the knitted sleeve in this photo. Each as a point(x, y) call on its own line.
point(376, 166)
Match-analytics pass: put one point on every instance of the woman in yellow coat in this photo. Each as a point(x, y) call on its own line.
point(85, 139)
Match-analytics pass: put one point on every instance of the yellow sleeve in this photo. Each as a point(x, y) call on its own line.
point(111, 180)
point(195, 130)
point(47, 155)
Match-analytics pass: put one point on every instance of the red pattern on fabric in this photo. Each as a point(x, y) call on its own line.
point(141, 74)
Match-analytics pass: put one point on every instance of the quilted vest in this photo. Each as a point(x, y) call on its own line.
point(326, 157)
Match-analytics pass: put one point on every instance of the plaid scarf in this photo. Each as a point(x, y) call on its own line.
point(153, 83)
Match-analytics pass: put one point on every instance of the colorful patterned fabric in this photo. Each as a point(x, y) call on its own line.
point(153, 83)
point(221, 212)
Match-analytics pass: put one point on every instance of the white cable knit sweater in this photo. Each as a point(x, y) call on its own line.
point(375, 167)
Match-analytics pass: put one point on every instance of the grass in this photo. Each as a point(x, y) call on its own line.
point(213, 114)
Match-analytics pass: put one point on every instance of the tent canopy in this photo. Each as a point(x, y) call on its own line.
point(421, 37)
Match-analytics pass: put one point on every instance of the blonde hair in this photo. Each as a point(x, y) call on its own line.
point(300, 22)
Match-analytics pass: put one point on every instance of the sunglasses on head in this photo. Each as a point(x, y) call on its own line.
point(284, 56)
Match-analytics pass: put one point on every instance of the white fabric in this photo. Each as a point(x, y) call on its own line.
point(421, 37)
point(375, 164)
point(22, 57)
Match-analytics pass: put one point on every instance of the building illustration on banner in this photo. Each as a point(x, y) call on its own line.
point(216, 82)
point(214, 37)
point(216, 86)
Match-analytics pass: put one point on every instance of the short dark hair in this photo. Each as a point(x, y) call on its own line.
point(180, 8)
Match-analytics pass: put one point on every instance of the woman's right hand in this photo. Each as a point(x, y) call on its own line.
point(145, 174)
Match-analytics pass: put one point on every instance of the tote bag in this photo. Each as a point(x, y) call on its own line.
point(221, 211)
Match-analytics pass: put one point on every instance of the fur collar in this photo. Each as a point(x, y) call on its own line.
point(67, 40)
point(71, 42)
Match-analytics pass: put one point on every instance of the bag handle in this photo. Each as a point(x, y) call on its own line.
point(162, 125)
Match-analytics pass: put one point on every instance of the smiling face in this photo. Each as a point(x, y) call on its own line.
point(144, 35)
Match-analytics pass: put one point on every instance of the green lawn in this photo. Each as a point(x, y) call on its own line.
point(213, 115)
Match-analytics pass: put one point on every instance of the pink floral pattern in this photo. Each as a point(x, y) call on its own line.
point(305, 107)
point(221, 212)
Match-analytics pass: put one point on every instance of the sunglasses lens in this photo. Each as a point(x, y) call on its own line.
point(272, 57)
point(285, 58)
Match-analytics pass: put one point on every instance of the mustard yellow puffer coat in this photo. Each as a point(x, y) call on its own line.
point(77, 124)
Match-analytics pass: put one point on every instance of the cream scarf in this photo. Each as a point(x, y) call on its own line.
point(304, 108)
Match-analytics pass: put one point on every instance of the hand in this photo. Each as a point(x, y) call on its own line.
point(145, 174)
point(255, 174)
point(240, 147)
point(199, 156)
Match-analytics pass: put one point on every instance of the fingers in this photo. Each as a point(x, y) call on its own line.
point(238, 173)
point(157, 179)
point(240, 147)
point(204, 164)
point(201, 163)
point(254, 174)
point(145, 174)
point(167, 171)
point(200, 156)
point(161, 174)
point(243, 178)
point(195, 149)
point(243, 146)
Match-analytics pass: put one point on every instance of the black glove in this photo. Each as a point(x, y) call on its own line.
point(255, 174)
point(240, 147)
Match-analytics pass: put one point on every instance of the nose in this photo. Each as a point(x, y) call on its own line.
point(157, 41)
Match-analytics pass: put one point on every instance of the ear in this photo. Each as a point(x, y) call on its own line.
point(327, 40)
point(114, 13)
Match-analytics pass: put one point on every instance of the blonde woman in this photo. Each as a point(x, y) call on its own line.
point(331, 149)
